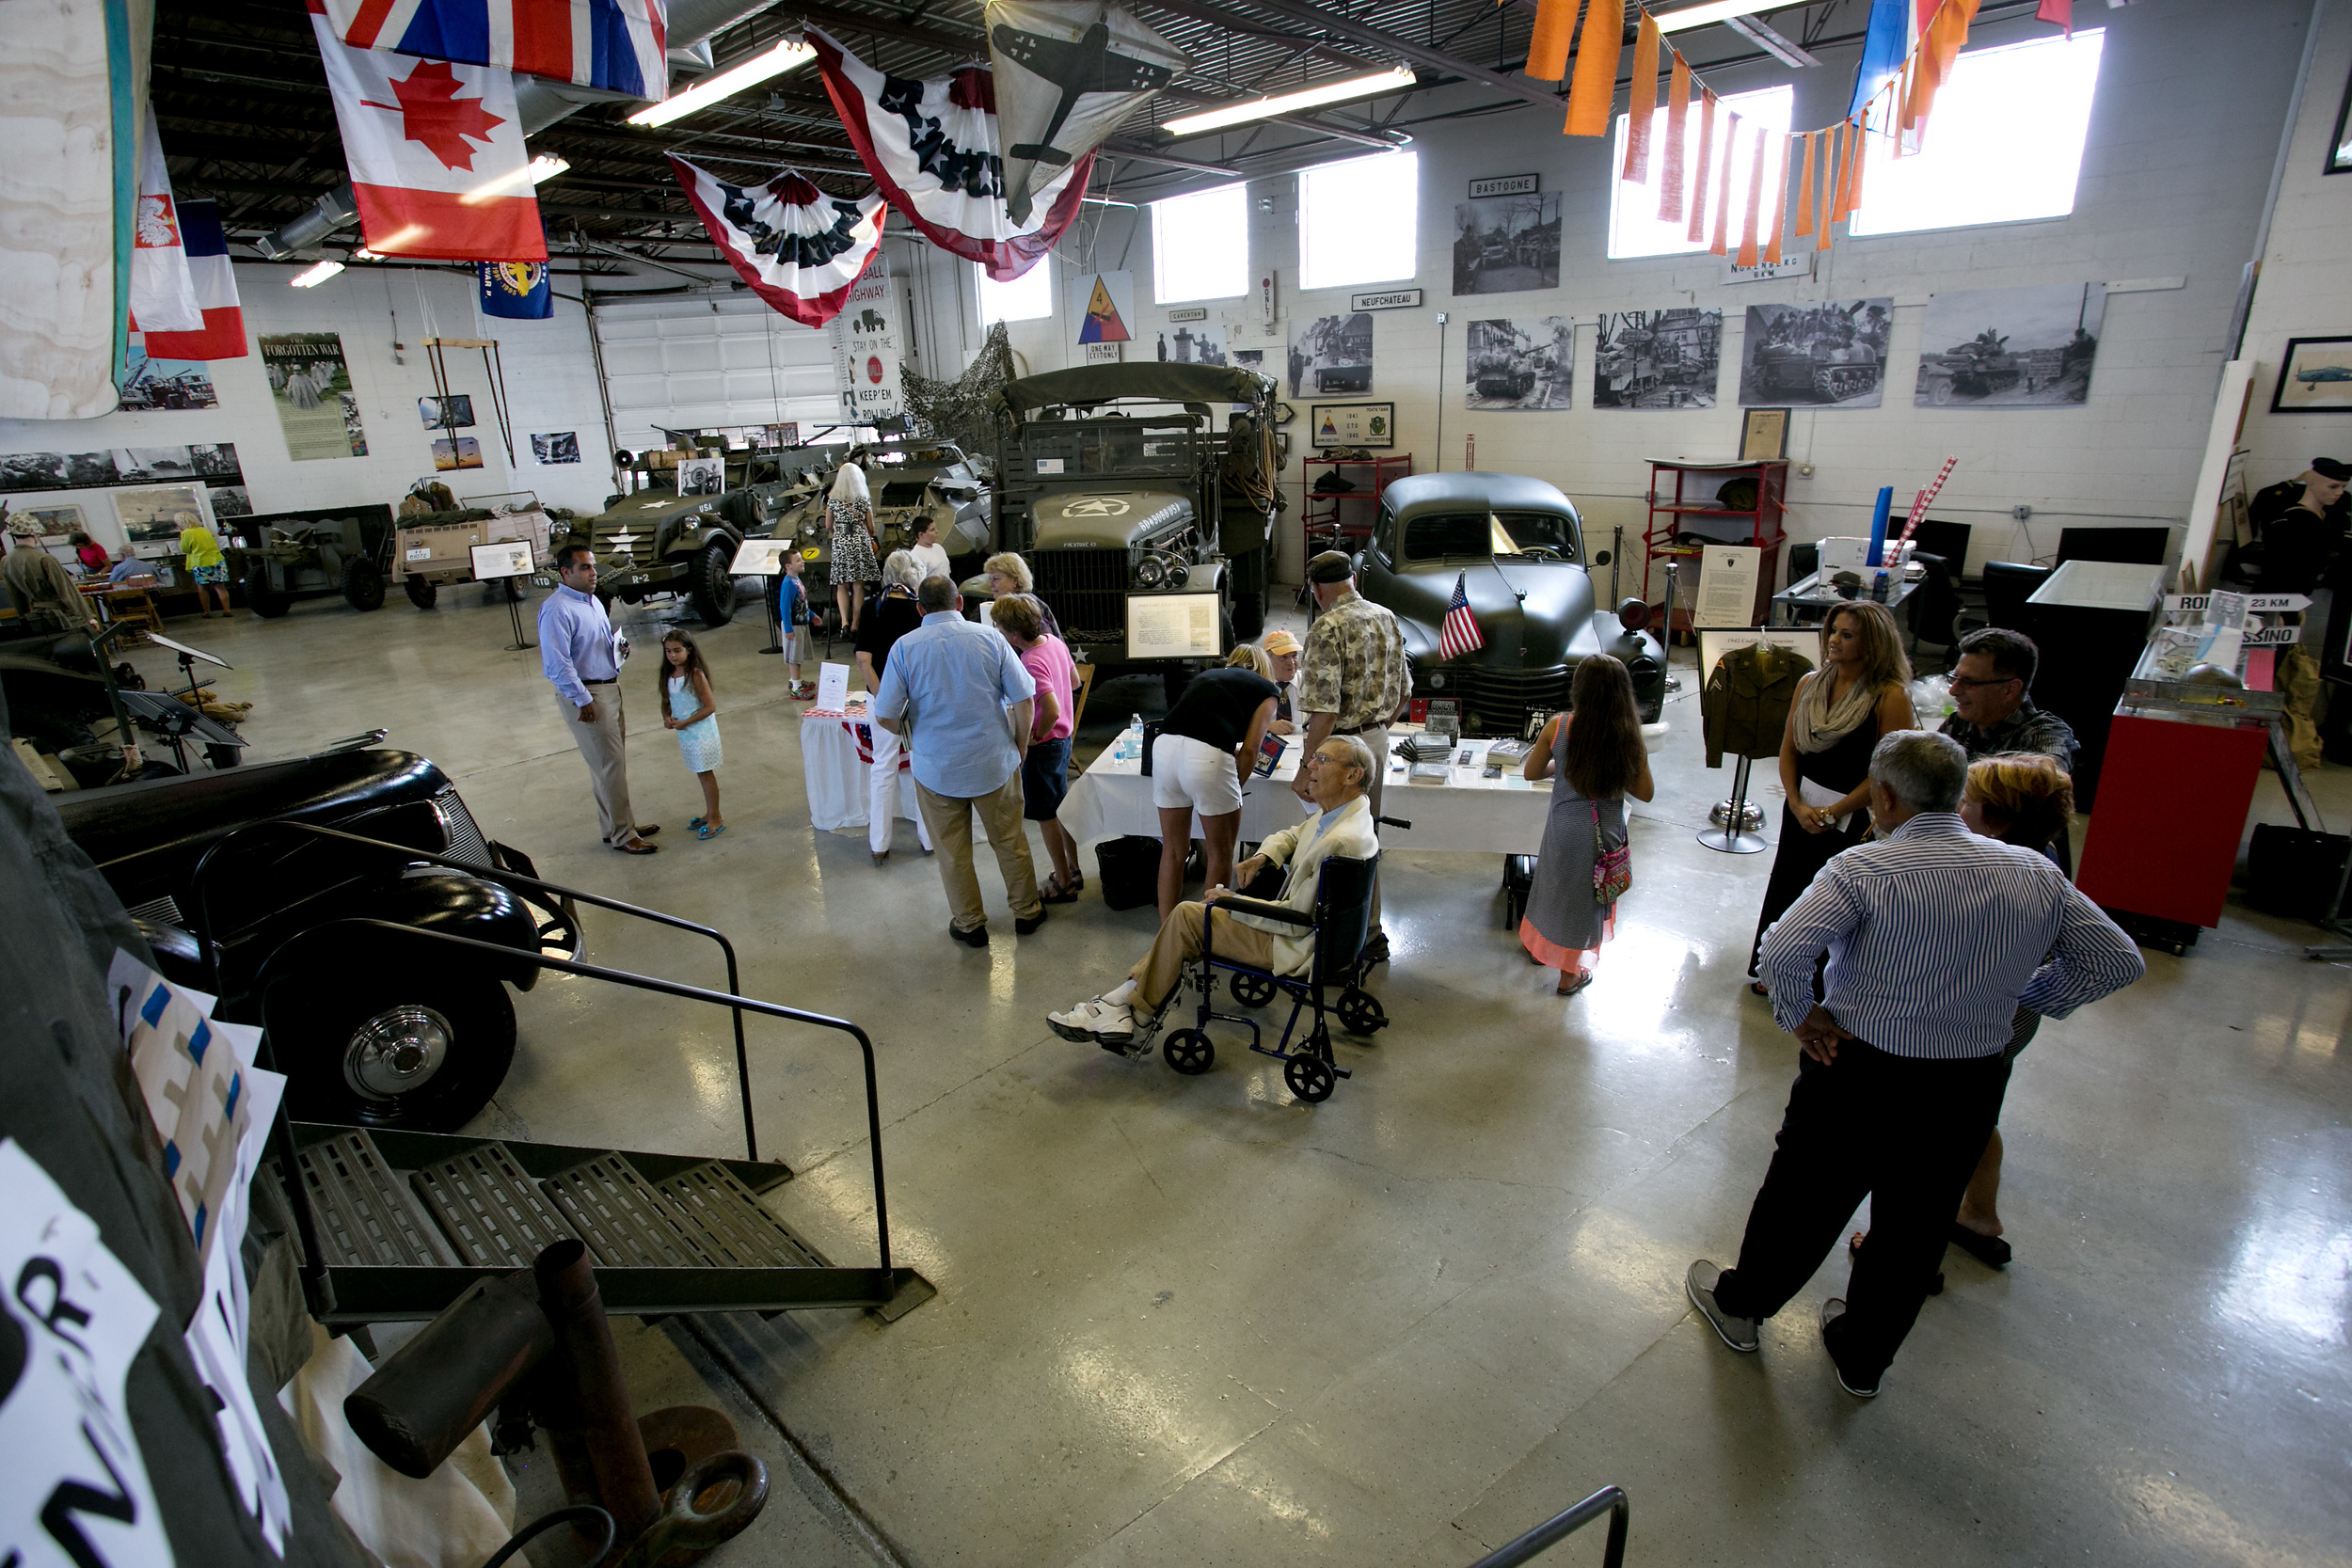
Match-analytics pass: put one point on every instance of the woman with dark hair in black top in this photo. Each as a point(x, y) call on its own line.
point(881, 621)
point(1207, 744)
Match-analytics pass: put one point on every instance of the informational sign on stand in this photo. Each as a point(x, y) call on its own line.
point(1726, 595)
point(1172, 626)
point(760, 558)
point(508, 558)
point(833, 686)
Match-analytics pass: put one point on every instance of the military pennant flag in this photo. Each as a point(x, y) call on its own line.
point(1067, 72)
point(798, 248)
point(932, 145)
point(163, 295)
point(515, 291)
point(436, 154)
point(215, 284)
point(619, 45)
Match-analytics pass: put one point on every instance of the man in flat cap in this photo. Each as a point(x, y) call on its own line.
point(1352, 680)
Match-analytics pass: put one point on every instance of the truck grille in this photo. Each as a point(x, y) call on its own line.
point(1496, 701)
point(1086, 590)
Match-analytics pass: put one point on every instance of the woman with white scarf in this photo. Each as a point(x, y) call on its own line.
point(1860, 692)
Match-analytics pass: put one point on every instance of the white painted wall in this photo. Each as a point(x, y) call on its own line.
point(2305, 289)
point(2182, 137)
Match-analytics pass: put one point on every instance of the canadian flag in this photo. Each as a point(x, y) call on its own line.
point(436, 154)
point(163, 299)
point(223, 331)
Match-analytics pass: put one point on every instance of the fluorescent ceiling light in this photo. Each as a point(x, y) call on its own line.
point(759, 68)
point(1290, 102)
point(318, 275)
point(1713, 11)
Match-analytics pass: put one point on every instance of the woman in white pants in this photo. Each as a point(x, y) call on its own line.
point(886, 618)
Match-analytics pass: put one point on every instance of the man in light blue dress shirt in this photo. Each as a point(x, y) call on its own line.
point(958, 693)
point(578, 654)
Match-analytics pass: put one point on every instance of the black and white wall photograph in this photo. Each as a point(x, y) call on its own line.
point(1506, 245)
point(1656, 358)
point(1331, 355)
point(2010, 348)
point(1524, 364)
point(1192, 343)
point(1827, 356)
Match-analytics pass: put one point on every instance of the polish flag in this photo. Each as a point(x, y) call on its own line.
point(436, 154)
point(162, 296)
point(215, 284)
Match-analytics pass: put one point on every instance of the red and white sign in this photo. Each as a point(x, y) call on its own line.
point(866, 345)
point(436, 154)
point(162, 297)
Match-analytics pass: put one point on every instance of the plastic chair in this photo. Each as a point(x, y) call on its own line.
point(1342, 924)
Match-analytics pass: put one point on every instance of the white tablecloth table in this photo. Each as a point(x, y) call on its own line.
point(835, 761)
point(1467, 814)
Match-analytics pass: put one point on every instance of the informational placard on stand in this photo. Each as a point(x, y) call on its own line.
point(1726, 595)
point(760, 558)
point(833, 686)
point(508, 558)
point(1172, 626)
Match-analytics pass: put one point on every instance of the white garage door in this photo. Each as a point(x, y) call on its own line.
point(688, 363)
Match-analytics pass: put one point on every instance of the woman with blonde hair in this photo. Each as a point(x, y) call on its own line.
point(849, 510)
point(1860, 692)
point(1251, 659)
point(1008, 574)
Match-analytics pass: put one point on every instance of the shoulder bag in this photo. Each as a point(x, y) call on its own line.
point(1613, 869)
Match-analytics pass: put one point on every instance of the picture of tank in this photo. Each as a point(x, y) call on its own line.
point(1656, 358)
point(1975, 368)
point(1833, 353)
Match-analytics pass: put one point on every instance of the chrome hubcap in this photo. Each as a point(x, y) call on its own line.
point(397, 1052)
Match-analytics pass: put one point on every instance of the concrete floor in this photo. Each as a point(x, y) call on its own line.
point(1189, 1321)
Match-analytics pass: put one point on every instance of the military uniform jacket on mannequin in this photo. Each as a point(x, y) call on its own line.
point(1744, 707)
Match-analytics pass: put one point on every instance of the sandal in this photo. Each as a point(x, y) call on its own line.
point(1566, 988)
point(1056, 892)
point(696, 822)
point(710, 830)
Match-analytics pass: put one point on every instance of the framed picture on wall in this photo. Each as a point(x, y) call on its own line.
point(2340, 145)
point(2314, 377)
point(1763, 434)
point(1351, 424)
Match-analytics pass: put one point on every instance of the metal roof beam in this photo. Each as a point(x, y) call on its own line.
point(1394, 44)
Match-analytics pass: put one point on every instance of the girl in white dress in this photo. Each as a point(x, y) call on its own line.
point(691, 709)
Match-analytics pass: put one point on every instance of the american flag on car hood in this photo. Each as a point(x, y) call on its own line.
point(1460, 634)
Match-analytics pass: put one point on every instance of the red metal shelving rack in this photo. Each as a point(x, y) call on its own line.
point(1766, 528)
point(1324, 521)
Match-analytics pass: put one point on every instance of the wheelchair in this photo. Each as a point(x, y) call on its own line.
point(1341, 923)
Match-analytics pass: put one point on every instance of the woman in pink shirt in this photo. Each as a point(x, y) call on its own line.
point(1045, 767)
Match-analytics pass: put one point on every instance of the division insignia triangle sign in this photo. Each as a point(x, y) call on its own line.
point(1329, 432)
point(1104, 323)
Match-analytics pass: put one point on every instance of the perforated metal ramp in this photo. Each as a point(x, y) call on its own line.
point(407, 1220)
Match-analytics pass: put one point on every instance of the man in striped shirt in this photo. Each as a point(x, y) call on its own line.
point(1935, 936)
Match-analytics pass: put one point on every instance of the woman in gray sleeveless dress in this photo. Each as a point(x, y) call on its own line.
point(1594, 757)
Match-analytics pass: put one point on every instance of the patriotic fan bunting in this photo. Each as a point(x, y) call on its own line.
point(799, 248)
point(932, 144)
point(619, 45)
point(1460, 634)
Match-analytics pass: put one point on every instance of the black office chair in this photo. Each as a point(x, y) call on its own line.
point(1342, 924)
point(2007, 584)
point(1933, 607)
point(1934, 536)
point(1804, 561)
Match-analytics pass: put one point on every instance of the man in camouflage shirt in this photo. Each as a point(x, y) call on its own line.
point(1992, 710)
point(1352, 680)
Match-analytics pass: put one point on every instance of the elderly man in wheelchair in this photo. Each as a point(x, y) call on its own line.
point(1278, 936)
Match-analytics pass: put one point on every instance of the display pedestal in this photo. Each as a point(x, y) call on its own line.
point(514, 618)
point(1730, 834)
point(775, 623)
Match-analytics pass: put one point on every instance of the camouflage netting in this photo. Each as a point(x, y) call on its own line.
point(964, 410)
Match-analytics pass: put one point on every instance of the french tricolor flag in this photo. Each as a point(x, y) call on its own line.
point(223, 336)
point(615, 44)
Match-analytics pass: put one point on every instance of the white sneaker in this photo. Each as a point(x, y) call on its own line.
point(1095, 1021)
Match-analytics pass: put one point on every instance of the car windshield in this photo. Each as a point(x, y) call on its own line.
point(1475, 535)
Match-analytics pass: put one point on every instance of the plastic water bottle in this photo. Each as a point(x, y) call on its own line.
point(1878, 588)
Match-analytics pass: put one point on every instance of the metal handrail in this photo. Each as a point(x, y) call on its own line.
point(200, 894)
point(1609, 1500)
point(283, 1135)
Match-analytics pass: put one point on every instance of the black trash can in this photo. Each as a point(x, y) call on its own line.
point(1129, 870)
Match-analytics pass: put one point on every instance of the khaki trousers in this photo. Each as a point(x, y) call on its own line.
point(1179, 944)
point(1377, 738)
point(604, 745)
point(949, 819)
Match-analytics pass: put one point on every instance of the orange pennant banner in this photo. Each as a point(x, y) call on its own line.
point(1595, 92)
point(1825, 188)
point(1780, 202)
point(1642, 103)
point(1804, 185)
point(1755, 206)
point(1706, 163)
point(1721, 243)
point(1555, 29)
point(1670, 178)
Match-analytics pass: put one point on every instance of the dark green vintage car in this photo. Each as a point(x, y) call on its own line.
point(1516, 544)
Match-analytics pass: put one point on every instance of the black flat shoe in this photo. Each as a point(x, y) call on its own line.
point(1024, 927)
point(1992, 1251)
point(976, 937)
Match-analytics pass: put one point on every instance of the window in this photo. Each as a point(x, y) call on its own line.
point(1634, 227)
point(1358, 221)
point(2003, 144)
point(1201, 246)
point(1025, 298)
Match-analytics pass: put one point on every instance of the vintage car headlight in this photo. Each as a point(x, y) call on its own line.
point(1150, 572)
point(1177, 573)
point(1633, 614)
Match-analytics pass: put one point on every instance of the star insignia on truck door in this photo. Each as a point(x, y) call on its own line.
point(1096, 506)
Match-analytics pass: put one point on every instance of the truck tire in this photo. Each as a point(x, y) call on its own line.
point(711, 585)
point(261, 598)
point(421, 592)
point(363, 585)
point(421, 1055)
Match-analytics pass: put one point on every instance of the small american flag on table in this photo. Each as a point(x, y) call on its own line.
point(1460, 634)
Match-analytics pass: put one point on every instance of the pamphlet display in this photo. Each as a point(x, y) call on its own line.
point(1173, 626)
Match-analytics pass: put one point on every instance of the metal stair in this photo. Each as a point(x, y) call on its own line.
point(404, 1221)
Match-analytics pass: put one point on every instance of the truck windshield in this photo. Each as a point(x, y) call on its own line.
point(1475, 535)
point(1158, 446)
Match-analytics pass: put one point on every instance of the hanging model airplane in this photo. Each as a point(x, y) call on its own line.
point(1077, 68)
